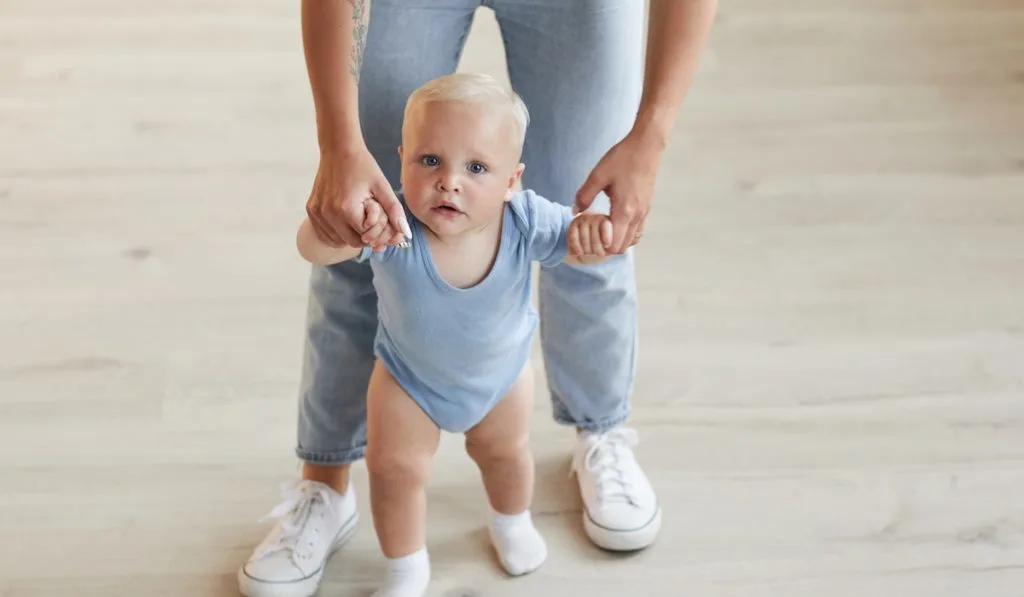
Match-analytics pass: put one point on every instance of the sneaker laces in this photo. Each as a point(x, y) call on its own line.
point(603, 459)
point(299, 498)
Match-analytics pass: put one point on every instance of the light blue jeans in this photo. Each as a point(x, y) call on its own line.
point(578, 66)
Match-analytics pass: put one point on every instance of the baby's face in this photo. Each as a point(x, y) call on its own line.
point(460, 165)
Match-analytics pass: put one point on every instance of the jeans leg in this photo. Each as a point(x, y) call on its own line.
point(408, 42)
point(578, 66)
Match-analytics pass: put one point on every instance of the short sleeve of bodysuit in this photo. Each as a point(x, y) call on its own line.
point(545, 225)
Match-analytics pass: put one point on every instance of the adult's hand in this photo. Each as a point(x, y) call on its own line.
point(339, 207)
point(626, 174)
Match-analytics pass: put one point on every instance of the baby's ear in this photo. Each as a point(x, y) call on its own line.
point(518, 174)
point(513, 181)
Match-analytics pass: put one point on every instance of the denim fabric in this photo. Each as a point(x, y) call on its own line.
point(578, 66)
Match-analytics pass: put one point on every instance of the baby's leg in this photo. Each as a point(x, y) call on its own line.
point(401, 441)
point(500, 446)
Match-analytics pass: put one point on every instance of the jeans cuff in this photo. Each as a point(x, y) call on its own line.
point(331, 458)
point(599, 426)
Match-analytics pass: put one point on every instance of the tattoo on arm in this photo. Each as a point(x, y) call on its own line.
point(359, 22)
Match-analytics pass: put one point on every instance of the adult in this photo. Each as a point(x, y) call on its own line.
point(601, 116)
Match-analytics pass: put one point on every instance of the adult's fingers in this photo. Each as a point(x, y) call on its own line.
point(375, 223)
point(624, 215)
point(382, 239)
point(396, 235)
point(349, 218)
point(392, 206)
point(632, 235)
point(588, 192)
point(323, 230)
point(637, 234)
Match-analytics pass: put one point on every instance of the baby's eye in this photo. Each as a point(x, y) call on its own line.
point(430, 160)
point(477, 168)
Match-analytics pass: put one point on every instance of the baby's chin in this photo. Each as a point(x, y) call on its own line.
point(444, 228)
point(445, 224)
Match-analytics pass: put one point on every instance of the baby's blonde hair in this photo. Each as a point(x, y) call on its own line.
point(474, 88)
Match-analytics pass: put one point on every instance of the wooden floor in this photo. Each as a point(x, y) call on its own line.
point(831, 384)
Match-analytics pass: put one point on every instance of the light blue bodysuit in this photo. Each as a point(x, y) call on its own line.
point(456, 351)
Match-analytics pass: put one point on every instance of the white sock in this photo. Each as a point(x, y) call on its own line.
point(520, 547)
point(407, 576)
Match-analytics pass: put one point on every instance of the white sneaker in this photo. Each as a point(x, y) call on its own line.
point(620, 509)
point(313, 522)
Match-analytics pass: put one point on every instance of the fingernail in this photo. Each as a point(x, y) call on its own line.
point(405, 229)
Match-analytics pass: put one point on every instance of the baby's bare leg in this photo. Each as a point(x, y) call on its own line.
point(401, 441)
point(500, 446)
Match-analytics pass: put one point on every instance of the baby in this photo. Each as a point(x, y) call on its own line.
point(455, 321)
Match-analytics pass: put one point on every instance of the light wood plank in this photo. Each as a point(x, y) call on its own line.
point(831, 381)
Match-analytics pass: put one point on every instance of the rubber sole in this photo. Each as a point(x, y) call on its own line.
point(623, 540)
point(305, 587)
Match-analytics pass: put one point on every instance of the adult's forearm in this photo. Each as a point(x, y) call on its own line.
point(333, 39)
point(677, 34)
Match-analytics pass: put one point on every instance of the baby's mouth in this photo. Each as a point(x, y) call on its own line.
point(448, 208)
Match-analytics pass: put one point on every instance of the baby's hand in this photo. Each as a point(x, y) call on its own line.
point(378, 230)
point(590, 234)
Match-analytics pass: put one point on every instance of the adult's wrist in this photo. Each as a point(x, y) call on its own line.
point(652, 129)
point(339, 137)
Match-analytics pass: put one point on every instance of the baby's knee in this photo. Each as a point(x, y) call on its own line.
point(490, 450)
point(398, 466)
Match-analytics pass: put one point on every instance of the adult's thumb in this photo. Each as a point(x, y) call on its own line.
point(587, 193)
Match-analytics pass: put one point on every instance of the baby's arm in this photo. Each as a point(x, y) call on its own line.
point(317, 251)
point(588, 236)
